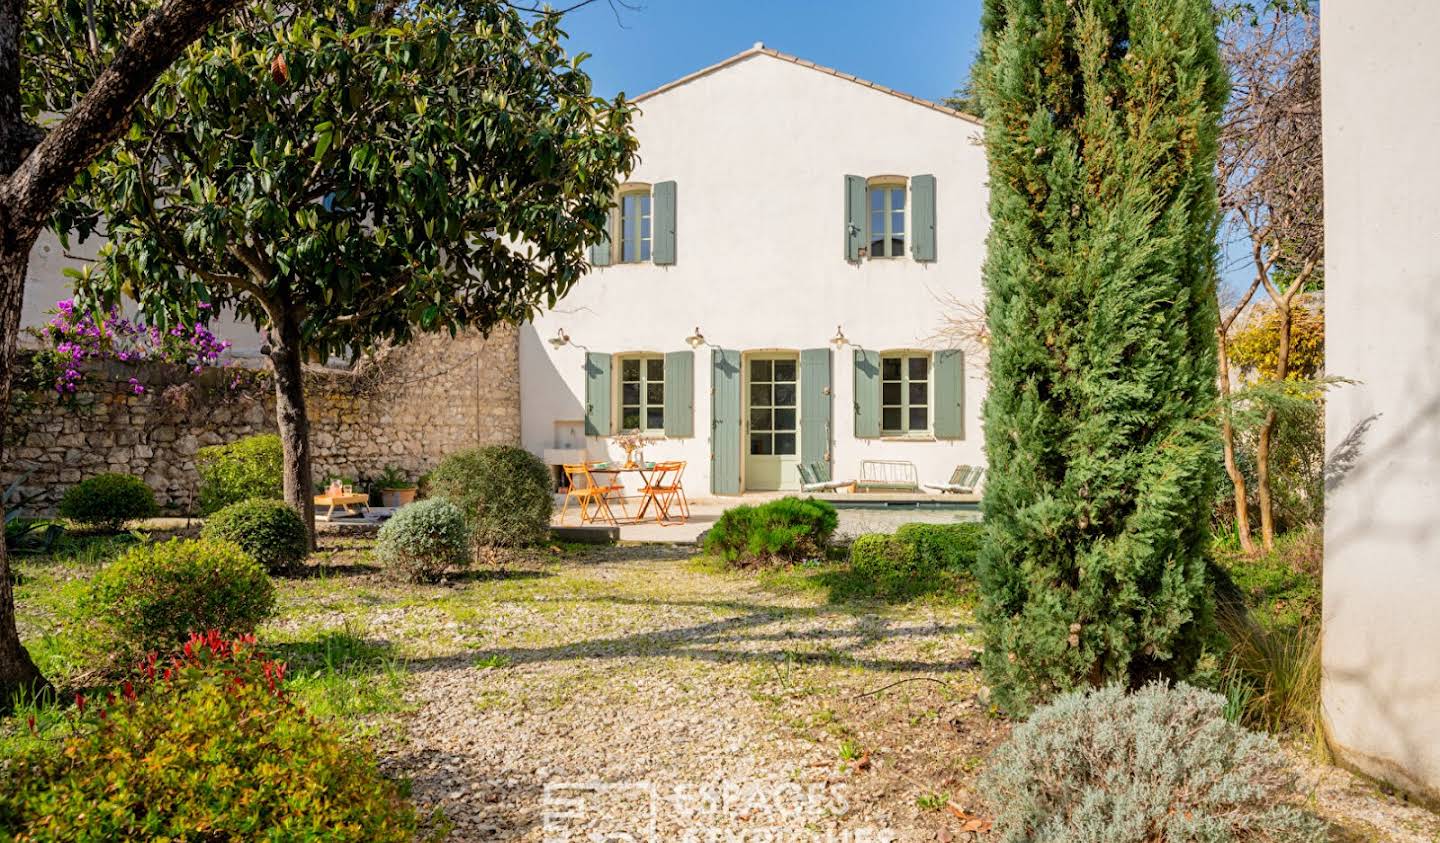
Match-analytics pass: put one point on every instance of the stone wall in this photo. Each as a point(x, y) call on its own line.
point(408, 408)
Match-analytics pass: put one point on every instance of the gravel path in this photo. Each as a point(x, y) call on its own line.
point(643, 697)
point(627, 694)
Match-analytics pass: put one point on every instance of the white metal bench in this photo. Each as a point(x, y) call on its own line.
point(888, 476)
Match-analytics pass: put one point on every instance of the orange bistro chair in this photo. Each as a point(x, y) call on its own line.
point(586, 490)
point(665, 490)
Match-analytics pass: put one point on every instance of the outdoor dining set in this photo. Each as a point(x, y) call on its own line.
point(597, 489)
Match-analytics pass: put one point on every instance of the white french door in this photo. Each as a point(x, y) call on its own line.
point(772, 415)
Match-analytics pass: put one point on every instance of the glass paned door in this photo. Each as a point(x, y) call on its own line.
point(772, 411)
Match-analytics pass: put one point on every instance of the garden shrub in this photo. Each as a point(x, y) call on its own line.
point(422, 540)
point(785, 530)
point(208, 746)
point(879, 555)
point(269, 531)
point(153, 596)
point(1157, 764)
point(108, 501)
point(951, 547)
point(505, 493)
point(253, 467)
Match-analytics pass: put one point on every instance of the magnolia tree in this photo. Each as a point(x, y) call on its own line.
point(90, 66)
point(352, 172)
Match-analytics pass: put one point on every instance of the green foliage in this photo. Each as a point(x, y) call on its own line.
point(951, 547)
point(152, 597)
point(108, 501)
point(1255, 347)
point(506, 494)
point(218, 750)
point(342, 173)
point(422, 541)
point(269, 531)
point(253, 467)
point(1157, 764)
point(1100, 279)
point(392, 478)
point(781, 531)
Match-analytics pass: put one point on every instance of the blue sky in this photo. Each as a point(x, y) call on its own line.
point(920, 48)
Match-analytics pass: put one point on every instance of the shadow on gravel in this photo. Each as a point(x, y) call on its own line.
point(724, 640)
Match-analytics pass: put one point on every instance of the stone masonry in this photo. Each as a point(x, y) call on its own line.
point(408, 408)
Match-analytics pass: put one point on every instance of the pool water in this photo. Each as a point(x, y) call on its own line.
point(855, 520)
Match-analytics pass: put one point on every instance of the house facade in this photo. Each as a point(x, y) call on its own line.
point(781, 265)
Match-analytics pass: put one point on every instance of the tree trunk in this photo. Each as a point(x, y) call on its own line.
point(287, 357)
point(1227, 438)
point(18, 673)
point(1285, 307)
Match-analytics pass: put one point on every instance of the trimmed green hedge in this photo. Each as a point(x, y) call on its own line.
point(786, 530)
point(253, 467)
point(155, 595)
point(506, 494)
point(108, 501)
point(269, 531)
point(950, 547)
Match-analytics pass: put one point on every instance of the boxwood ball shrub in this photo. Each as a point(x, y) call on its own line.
point(153, 596)
point(423, 540)
point(247, 468)
point(781, 531)
point(208, 746)
point(269, 531)
point(108, 501)
point(951, 547)
point(505, 493)
point(1160, 763)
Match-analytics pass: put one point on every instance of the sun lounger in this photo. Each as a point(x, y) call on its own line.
point(963, 482)
point(815, 477)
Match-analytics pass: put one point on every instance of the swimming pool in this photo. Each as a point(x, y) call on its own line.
point(888, 516)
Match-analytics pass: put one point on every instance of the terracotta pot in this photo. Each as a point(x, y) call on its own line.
point(394, 498)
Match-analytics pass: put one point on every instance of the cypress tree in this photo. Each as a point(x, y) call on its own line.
point(1101, 129)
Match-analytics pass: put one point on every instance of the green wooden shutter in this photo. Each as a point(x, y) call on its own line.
point(600, 252)
point(950, 394)
point(815, 405)
point(662, 251)
point(680, 394)
point(867, 394)
point(922, 202)
point(725, 440)
point(597, 394)
point(854, 217)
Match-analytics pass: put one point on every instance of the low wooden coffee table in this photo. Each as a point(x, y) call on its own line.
point(344, 502)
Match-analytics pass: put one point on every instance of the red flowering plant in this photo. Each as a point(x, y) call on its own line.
point(205, 743)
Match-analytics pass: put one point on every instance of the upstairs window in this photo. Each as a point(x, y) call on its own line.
point(642, 393)
point(635, 225)
point(904, 393)
point(885, 199)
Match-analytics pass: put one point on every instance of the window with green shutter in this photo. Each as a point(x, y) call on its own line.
point(597, 394)
point(885, 199)
point(904, 393)
point(642, 392)
point(949, 379)
point(664, 247)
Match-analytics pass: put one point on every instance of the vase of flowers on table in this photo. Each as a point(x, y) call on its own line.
point(632, 443)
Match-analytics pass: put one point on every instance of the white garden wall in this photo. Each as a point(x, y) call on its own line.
point(1381, 90)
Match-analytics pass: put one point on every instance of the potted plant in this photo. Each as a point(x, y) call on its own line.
point(396, 490)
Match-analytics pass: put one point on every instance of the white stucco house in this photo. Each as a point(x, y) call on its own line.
point(779, 263)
